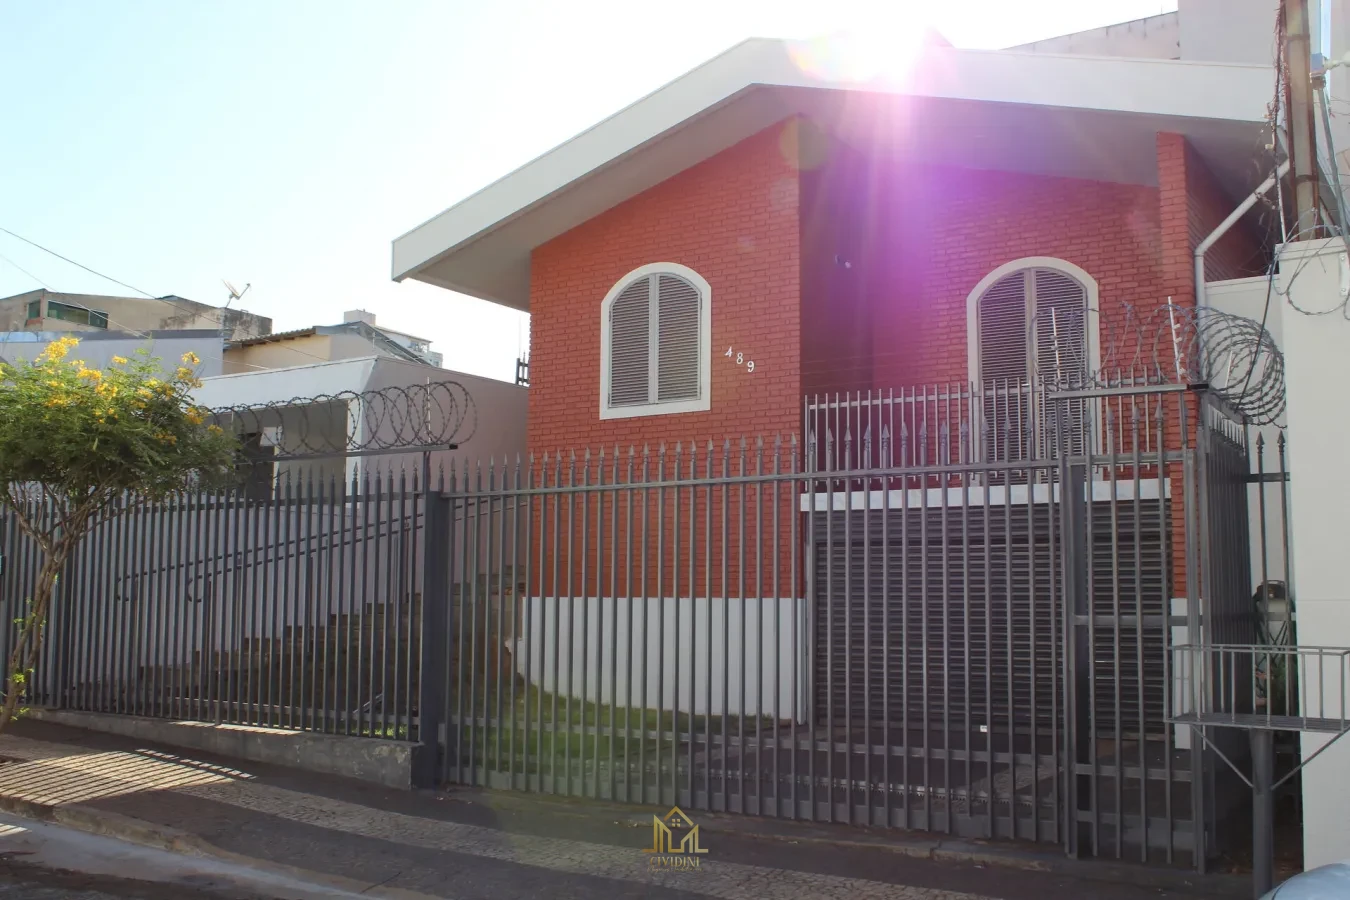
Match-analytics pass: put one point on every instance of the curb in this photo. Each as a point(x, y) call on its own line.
point(913, 845)
point(174, 840)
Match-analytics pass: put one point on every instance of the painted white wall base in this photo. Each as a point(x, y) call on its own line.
point(716, 656)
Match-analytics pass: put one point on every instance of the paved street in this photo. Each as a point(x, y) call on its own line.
point(291, 834)
point(21, 882)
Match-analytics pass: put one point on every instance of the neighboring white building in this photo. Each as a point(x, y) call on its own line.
point(494, 426)
point(97, 348)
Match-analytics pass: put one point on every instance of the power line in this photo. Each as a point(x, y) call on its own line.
point(78, 265)
point(24, 271)
point(181, 309)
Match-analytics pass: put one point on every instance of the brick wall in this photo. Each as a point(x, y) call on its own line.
point(954, 227)
point(847, 273)
point(1192, 204)
point(839, 237)
point(734, 220)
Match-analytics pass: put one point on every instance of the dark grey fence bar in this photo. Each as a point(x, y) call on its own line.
point(293, 610)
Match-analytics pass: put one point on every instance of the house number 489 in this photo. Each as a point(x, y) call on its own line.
point(740, 359)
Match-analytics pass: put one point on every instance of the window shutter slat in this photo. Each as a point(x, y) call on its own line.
point(678, 320)
point(1061, 329)
point(1003, 329)
point(630, 345)
point(1002, 313)
point(1062, 347)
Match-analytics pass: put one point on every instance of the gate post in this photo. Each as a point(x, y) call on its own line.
point(433, 641)
point(1074, 498)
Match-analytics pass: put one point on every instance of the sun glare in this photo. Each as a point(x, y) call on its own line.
point(883, 46)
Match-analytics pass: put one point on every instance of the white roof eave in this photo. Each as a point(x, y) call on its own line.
point(1167, 89)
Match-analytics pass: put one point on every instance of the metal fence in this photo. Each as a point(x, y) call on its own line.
point(298, 610)
point(919, 632)
point(1001, 420)
point(959, 641)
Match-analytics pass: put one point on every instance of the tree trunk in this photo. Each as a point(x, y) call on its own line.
point(32, 627)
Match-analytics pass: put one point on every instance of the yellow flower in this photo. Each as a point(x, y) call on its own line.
point(106, 390)
point(183, 374)
point(144, 392)
point(54, 383)
point(194, 416)
point(119, 360)
point(191, 359)
point(91, 374)
point(58, 349)
point(215, 429)
point(165, 438)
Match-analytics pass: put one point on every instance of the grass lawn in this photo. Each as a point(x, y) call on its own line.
point(575, 733)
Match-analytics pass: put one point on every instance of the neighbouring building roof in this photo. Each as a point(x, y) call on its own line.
point(1075, 116)
point(276, 336)
point(372, 333)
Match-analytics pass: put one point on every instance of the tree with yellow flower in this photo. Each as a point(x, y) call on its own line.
point(75, 438)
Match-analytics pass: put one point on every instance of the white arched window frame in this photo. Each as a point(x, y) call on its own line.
point(974, 347)
point(654, 405)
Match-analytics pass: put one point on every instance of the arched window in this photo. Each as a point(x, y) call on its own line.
point(1030, 329)
point(655, 343)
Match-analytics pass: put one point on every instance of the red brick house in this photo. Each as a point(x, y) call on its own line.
point(842, 229)
point(764, 232)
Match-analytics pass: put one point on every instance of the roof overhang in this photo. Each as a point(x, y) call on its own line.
point(1074, 116)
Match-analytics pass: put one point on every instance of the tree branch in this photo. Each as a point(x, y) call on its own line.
point(17, 506)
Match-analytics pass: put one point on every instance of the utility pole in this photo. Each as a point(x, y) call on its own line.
point(1299, 115)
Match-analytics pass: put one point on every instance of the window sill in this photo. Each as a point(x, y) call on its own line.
point(654, 409)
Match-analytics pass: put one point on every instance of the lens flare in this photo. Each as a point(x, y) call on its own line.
point(885, 48)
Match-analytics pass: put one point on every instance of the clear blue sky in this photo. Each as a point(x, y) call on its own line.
point(285, 143)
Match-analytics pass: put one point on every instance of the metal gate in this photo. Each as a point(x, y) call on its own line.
point(916, 618)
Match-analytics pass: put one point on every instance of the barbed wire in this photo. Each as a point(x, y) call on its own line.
point(439, 413)
point(1236, 357)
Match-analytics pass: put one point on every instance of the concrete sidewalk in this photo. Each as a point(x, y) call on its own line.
point(473, 845)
